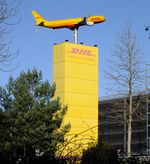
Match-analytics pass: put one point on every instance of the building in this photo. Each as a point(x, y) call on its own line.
point(113, 128)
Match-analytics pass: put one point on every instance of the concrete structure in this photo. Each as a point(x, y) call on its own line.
point(75, 71)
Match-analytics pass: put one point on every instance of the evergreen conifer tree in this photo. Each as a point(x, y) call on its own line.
point(30, 119)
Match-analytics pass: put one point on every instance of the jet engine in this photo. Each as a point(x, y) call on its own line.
point(89, 23)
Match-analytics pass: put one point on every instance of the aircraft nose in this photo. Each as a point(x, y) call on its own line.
point(102, 18)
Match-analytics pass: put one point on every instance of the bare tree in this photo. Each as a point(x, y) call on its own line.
point(126, 78)
point(8, 10)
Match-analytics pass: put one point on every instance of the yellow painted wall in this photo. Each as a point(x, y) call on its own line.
point(75, 71)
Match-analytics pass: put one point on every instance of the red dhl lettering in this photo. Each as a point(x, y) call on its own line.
point(37, 17)
point(95, 19)
point(81, 52)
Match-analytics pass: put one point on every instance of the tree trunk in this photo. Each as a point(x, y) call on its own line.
point(129, 125)
point(129, 136)
point(130, 95)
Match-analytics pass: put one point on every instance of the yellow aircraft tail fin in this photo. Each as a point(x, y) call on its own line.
point(39, 19)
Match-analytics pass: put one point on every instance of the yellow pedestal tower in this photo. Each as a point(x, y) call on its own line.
point(75, 71)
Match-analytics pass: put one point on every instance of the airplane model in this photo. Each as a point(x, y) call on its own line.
point(71, 23)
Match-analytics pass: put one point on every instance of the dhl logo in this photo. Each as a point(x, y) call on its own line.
point(81, 52)
point(95, 19)
point(37, 17)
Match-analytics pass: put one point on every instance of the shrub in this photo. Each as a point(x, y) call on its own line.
point(100, 154)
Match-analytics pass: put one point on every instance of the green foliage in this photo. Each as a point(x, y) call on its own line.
point(30, 118)
point(100, 154)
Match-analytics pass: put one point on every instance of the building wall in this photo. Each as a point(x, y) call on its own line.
point(75, 71)
point(111, 127)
